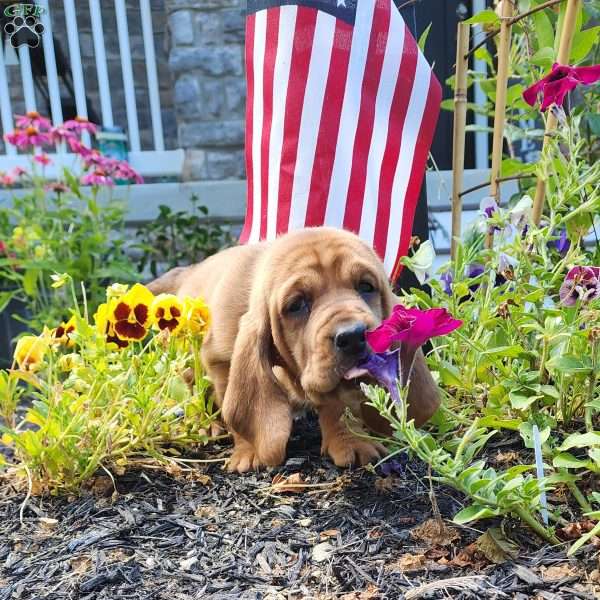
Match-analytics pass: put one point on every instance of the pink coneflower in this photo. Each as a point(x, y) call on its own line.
point(17, 172)
point(97, 178)
point(56, 186)
point(33, 119)
point(28, 137)
point(6, 179)
point(79, 147)
point(42, 159)
point(124, 171)
point(96, 159)
point(79, 125)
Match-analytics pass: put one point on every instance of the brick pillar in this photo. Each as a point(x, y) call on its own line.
point(206, 58)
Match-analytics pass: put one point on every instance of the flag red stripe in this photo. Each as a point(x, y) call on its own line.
point(366, 115)
point(391, 153)
point(417, 174)
point(272, 35)
point(250, 21)
point(329, 125)
point(306, 20)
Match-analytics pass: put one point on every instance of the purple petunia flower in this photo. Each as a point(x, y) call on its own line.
point(562, 243)
point(581, 283)
point(384, 367)
point(447, 280)
point(506, 262)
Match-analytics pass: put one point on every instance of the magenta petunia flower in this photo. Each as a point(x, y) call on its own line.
point(581, 283)
point(562, 79)
point(6, 179)
point(412, 326)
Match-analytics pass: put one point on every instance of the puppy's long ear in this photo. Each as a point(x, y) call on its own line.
point(255, 406)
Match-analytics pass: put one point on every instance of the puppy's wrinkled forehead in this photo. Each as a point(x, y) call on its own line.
point(315, 260)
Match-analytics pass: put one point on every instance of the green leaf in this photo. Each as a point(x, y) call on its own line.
point(514, 351)
point(544, 58)
point(544, 32)
point(567, 364)
point(485, 16)
point(594, 123)
point(522, 398)
point(30, 282)
point(423, 39)
point(449, 374)
point(565, 460)
point(581, 440)
point(5, 298)
point(473, 513)
point(583, 42)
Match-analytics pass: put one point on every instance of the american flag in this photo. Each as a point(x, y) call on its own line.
point(341, 111)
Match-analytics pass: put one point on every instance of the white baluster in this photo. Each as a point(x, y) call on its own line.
point(128, 84)
point(5, 107)
point(76, 68)
point(27, 78)
point(50, 60)
point(100, 53)
point(153, 88)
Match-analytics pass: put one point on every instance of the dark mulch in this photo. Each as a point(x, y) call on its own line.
point(213, 535)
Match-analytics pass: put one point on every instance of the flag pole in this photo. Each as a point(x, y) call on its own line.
point(564, 52)
point(460, 120)
point(506, 14)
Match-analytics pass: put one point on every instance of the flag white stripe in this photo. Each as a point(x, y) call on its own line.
point(260, 38)
point(383, 104)
point(281, 75)
point(310, 121)
point(342, 165)
point(414, 118)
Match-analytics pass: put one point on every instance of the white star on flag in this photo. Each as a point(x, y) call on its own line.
point(341, 3)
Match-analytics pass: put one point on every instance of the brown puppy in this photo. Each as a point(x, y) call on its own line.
point(288, 321)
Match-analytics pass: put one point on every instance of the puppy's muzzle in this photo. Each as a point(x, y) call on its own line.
point(350, 341)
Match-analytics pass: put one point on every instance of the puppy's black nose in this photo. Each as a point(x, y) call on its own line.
point(351, 340)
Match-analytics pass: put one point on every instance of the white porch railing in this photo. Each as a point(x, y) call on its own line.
point(152, 162)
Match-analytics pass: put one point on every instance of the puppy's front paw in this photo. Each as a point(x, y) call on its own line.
point(242, 460)
point(346, 450)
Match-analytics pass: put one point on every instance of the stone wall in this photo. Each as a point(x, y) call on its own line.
point(206, 57)
point(159, 21)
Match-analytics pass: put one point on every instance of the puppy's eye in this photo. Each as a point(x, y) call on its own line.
point(365, 287)
point(297, 306)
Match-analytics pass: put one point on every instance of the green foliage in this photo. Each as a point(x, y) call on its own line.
point(55, 227)
point(525, 356)
point(178, 238)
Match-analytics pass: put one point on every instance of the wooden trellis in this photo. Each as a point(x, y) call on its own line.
point(507, 20)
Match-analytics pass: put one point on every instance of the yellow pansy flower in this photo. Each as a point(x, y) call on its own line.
point(105, 327)
point(62, 334)
point(130, 314)
point(167, 313)
point(30, 352)
point(197, 315)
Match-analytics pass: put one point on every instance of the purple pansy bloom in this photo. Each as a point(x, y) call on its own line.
point(581, 283)
point(488, 207)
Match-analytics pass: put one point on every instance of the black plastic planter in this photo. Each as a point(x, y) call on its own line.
point(9, 329)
